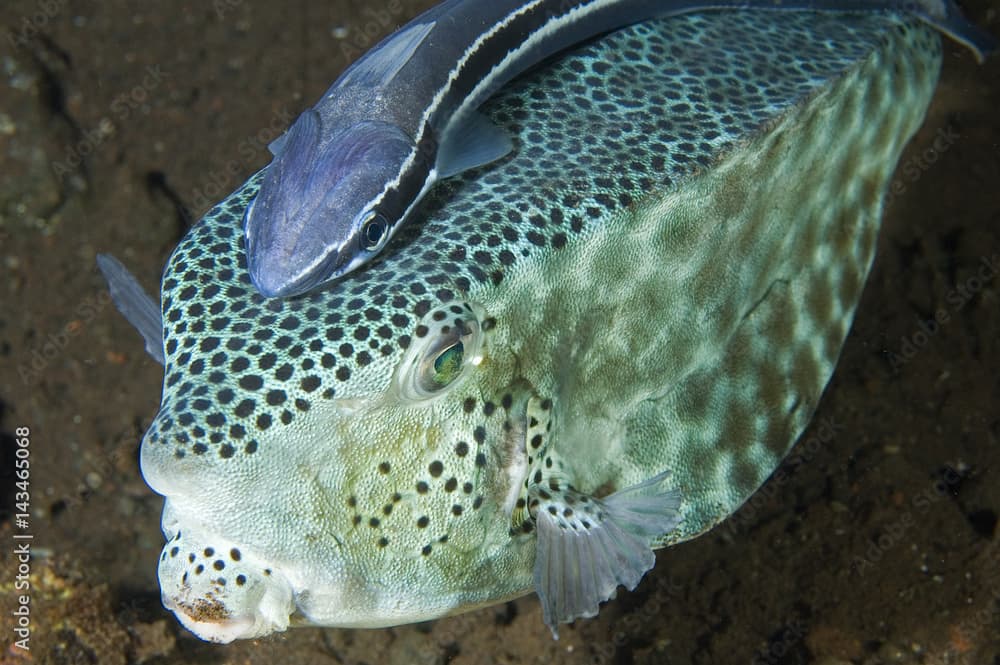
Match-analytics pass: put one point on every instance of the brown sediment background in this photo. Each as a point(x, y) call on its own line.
point(122, 122)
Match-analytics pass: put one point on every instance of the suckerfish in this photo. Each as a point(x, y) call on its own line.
point(352, 168)
point(600, 347)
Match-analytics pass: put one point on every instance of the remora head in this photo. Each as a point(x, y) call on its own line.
point(309, 222)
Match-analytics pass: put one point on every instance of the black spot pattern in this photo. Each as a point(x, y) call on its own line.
point(589, 139)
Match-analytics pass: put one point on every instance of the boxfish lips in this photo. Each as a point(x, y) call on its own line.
point(222, 593)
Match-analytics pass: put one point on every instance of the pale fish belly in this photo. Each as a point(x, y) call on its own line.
point(667, 267)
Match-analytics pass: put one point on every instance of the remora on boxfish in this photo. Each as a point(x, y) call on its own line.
point(600, 346)
point(352, 168)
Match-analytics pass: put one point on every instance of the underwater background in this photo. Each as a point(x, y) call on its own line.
point(122, 122)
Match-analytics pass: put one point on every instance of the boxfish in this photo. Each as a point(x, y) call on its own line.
point(598, 347)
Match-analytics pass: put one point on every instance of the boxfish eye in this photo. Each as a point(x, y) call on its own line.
point(446, 345)
point(445, 368)
point(374, 231)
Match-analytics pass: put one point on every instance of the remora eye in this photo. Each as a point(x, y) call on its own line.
point(374, 231)
point(446, 345)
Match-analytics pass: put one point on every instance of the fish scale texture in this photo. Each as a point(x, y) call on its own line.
point(671, 257)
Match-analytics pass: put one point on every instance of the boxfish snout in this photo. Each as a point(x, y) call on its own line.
point(222, 592)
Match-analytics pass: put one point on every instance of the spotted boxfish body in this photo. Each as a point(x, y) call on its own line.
point(656, 285)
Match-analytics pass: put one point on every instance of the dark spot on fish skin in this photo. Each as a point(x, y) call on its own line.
point(383, 541)
point(423, 521)
point(384, 468)
point(426, 550)
point(435, 468)
point(374, 523)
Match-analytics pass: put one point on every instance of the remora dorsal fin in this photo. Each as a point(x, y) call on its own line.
point(380, 65)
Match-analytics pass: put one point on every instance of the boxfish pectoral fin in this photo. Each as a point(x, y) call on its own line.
point(587, 547)
point(470, 142)
point(137, 306)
